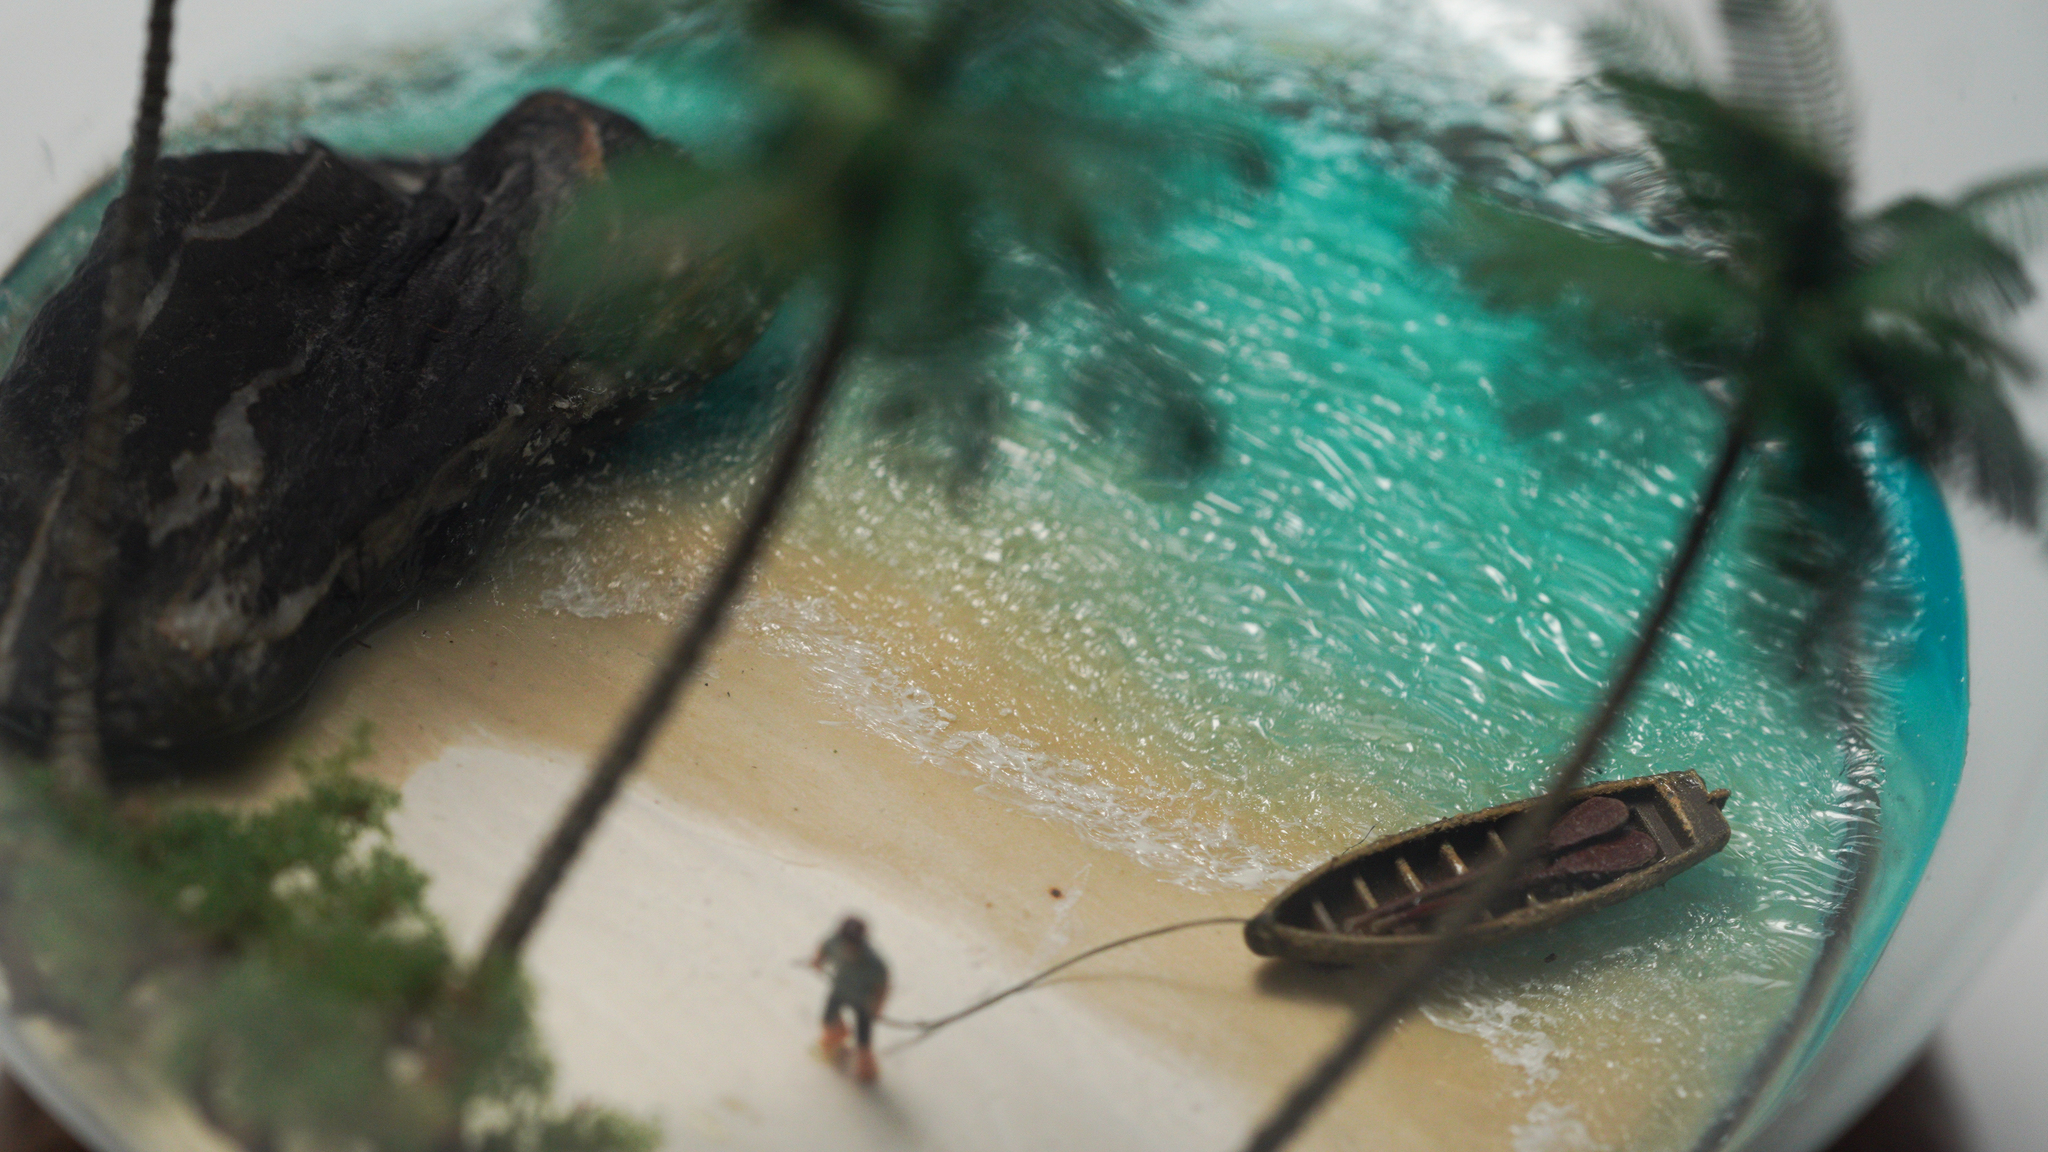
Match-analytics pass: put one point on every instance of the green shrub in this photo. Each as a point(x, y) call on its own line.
point(279, 966)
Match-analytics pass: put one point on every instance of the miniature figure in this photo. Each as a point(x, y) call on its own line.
point(860, 982)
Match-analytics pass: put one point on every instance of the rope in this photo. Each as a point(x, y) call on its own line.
point(925, 1028)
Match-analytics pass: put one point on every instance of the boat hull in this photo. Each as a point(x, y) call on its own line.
point(1337, 913)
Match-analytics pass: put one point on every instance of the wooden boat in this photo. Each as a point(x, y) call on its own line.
point(1615, 840)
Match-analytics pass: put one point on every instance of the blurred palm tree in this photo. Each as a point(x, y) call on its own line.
point(83, 551)
point(1833, 335)
point(908, 152)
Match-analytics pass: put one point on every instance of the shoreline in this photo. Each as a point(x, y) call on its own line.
point(671, 981)
point(762, 765)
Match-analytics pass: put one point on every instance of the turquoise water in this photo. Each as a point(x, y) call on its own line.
point(1429, 535)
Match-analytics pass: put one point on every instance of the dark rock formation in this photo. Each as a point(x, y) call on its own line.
point(339, 393)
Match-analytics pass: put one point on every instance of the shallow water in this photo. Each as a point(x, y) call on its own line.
point(1428, 537)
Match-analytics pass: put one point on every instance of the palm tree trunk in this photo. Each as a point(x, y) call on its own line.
point(1524, 837)
point(658, 697)
point(86, 549)
point(1861, 853)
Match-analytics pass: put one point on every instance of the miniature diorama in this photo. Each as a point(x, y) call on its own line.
point(1304, 576)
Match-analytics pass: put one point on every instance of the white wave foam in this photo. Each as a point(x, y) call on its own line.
point(1145, 821)
point(1553, 1128)
point(1512, 1032)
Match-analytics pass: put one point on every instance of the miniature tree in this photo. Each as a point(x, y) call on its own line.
point(906, 159)
point(84, 551)
point(1823, 325)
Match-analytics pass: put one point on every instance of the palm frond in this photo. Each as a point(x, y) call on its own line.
point(2012, 209)
point(857, 25)
point(1057, 216)
point(1959, 336)
point(964, 33)
point(1116, 148)
point(943, 435)
point(1938, 384)
point(646, 266)
point(1521, 260)
point(1642, 39)
point(1135, 391)
point(1785, 66)
point(1042, 180)
point(1997, 462)
point(1824, 530)
point(862, 161)
point(1739, 174)
point(928, 282)
point(1921, 254)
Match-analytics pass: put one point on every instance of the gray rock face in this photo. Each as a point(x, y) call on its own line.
point(339, 393)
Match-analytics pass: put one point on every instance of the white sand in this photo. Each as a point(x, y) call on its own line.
point(669, 972)
point(671, 984)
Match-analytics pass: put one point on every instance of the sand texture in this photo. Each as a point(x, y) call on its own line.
point(670, 968)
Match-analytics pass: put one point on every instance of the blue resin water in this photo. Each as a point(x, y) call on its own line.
point(1430, 534)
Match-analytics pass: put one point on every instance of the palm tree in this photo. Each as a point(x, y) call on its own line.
point(907, 158)
point(84, 551)
point(1828, 329)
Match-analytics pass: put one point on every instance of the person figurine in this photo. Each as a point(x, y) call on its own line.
point(860, 982)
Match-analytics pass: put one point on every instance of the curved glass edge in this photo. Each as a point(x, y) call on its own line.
point(26, 1067)
point(1982, 870)
point(1927, 691)
point(1921, 675)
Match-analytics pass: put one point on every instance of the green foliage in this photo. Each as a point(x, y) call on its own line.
point(581, 1129)
point(1833, 330)
point(279, 965)
point(913, 159)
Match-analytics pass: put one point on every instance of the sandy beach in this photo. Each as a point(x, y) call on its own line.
point(670, 969)
point(672, 982)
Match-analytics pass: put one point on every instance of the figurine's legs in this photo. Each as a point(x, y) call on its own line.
point(864, 1069)
point(834, 1037)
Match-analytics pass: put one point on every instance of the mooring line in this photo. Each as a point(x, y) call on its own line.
point(925, 1028)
